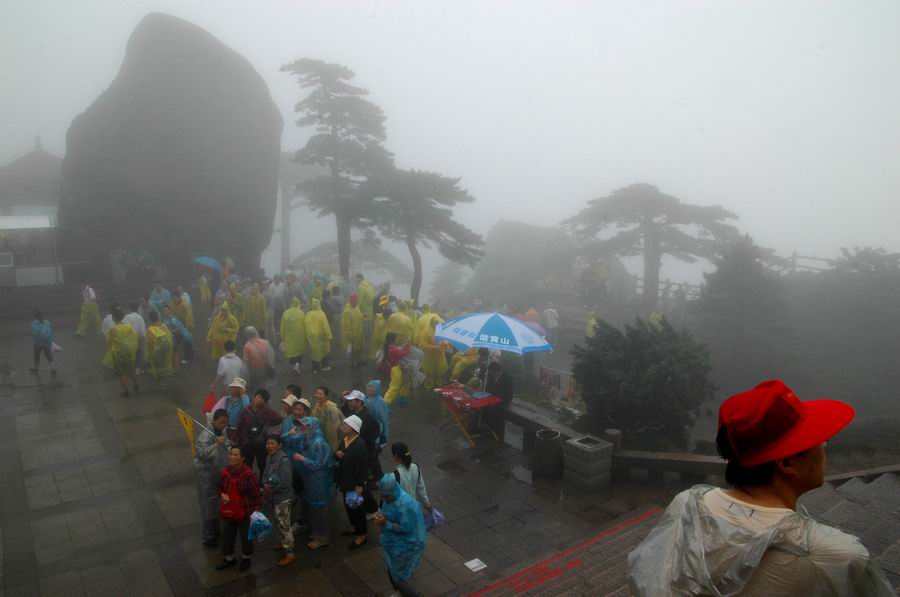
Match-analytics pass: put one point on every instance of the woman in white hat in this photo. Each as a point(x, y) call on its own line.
point(352, 475)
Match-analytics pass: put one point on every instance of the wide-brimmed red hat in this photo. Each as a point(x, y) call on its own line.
point(769, 422)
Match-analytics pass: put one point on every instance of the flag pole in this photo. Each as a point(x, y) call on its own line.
point(199, 424)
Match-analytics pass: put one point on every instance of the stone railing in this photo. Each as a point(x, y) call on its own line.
point(689, 467)
point(591, 463)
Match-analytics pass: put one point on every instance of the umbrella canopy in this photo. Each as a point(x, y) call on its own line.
point(208, 262)
point(493, 331)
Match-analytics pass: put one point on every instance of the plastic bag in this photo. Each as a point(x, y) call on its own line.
point(260, 527)
point(353, 499)
point(433, 519)
point(54, 347)
point(411, 366)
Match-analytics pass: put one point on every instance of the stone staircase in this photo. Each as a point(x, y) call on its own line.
point(867, 507)
point(596, 566)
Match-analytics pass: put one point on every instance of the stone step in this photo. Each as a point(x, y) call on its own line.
point(870, 511)
point(65, 300)
point(822, 499)
point(885, 488)
point(595, 566)
point(852, 487)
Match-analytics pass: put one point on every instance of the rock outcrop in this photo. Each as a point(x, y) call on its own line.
point(179, 156)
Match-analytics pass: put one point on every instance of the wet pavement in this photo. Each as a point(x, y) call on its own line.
point(98, 495)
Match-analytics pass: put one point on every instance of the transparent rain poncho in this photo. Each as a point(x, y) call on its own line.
point(693, 552)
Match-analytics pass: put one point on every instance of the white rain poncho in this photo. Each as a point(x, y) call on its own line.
point(411, 366)
point(693, 552)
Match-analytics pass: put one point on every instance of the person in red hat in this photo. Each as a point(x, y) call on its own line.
point(753, 539)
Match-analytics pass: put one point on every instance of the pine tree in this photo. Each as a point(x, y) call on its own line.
point(348, 141)
point(653, 224)
point(742, 315)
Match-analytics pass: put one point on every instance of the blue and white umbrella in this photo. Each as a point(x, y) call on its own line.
point(208, 262)
point(492, 331)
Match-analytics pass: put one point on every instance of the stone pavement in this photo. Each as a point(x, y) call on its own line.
point(98, 496)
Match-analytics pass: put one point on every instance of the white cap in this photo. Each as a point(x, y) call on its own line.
point(290, 400)
point(305, 403)
point(237, 382)
point(354, 422)
point(355, 395)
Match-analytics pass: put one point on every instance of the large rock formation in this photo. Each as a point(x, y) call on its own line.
point(179, 156)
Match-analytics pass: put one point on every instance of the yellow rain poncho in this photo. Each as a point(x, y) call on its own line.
point(398, 388)
point(434, 363)
point(256, 314)
point(318, 332)
point(590, 328)
point(121, 349)
point(421, 325)
point(352, 333)
point(293, 330)
point(159, 350)
point(399, 323)
point(203, 287)
point(378, 333)
point(316, 292)
point(224, 327)
point(90, 317)
point(237, 304)
point(366, 295)
point(409, 308)
point(183, 312)
point(464, 361)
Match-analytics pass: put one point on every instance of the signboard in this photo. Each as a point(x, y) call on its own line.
point(560, 387)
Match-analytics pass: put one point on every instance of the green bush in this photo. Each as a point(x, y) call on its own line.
point(647, 378)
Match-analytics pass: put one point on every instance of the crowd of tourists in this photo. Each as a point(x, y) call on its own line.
point(305, 457)
point(298, 459)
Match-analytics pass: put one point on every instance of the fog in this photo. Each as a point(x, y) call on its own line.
point(783, 112)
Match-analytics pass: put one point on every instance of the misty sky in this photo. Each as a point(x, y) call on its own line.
point(785, 112)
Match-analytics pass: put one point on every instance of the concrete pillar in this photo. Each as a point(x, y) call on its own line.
point(613, 436)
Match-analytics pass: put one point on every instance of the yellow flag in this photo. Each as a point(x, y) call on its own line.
point(188, 423)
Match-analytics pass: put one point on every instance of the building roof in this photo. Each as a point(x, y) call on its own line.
point(36, 166)
point(31, 178)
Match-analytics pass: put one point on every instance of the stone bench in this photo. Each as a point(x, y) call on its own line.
point(532, 418)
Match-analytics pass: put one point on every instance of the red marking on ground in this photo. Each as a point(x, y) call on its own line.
point(539, 573)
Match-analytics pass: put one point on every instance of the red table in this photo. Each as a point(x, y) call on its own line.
point(462, 401)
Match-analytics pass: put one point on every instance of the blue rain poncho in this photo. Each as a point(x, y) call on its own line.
point(41, 333)
point(316, 468)
point(380, 411)
point(160, 297)
point(691, 551)
point(177, 327)
point(292, 443)
point(403, 535)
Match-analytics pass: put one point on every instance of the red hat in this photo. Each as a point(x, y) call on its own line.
point(769, 422)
